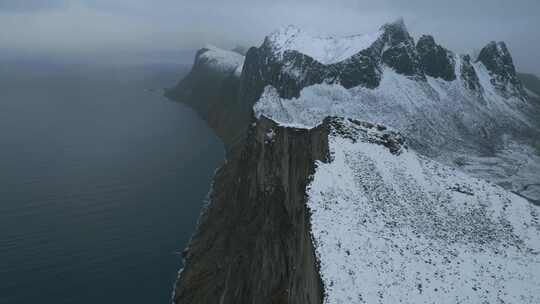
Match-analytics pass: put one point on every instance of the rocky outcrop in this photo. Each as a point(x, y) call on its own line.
point(497, 59)
point(436, 61)
point(291, 71)
point(399, 50)
point(253, 243)
point(469, 76)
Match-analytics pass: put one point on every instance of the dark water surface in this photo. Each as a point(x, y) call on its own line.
point(101, 183)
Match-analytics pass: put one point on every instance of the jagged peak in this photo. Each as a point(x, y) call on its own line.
point(498, 61)
point(396, 29)
point(399, 51)
point(494, 49)
point(437, 61)
point(427, 40)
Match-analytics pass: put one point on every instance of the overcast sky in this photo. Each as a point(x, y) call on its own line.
point(109, 28)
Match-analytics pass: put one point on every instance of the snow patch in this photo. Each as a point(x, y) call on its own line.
point(399, 228)
point(326, 50)
point(223, 60)
point(440, 118)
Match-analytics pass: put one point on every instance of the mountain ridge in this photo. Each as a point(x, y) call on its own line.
point(312, 149)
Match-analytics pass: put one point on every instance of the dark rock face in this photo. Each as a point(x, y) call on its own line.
point(497, 59)
point(253, 243)
point(288, 74)
point(469, 76)
point(400, 53)
point(294, 71)
point(356, 130)
point(436, 61)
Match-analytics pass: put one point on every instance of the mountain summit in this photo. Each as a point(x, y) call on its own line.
point(497, 59)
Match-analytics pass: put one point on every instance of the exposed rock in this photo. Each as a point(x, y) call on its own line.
point(289, 71)
point(253, 243)
point(356, 130)
point(497, 59)
point(469, 76)
point(399, 50)
point(437, 61)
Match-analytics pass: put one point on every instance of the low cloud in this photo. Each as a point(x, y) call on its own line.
point(30, 5)
point(87, 27)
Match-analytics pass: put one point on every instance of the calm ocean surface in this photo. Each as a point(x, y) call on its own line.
point(101, 183)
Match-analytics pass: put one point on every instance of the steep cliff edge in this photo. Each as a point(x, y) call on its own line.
point(253, 242)
point(211, 89)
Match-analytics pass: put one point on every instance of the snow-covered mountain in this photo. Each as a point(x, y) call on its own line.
point(462, 111)
point(367, 173)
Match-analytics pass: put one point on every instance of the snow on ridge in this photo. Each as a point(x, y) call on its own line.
point(399, 228)
point(326, 50)
point(398, 102)
point(223, 60)
point(440, 118)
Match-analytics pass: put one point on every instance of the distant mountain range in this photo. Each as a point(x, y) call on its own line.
point(368, 168)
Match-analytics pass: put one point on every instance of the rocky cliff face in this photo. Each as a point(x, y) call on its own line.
point(497, 59)
point(346, 213)
point(253, 242)
point(470, 78)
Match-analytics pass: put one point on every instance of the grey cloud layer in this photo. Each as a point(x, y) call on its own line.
point(85, 26)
